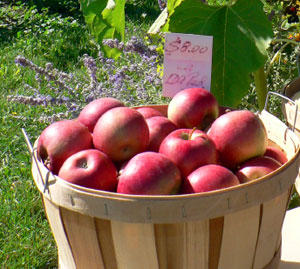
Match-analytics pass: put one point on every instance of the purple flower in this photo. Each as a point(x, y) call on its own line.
point(132, 78)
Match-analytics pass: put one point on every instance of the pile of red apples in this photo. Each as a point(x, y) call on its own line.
point(195, 146)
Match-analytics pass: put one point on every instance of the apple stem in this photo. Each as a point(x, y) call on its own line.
point(82, 163)
point(191, 133)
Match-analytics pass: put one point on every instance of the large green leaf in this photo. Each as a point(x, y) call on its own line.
point(241, 33)
point(106, 20)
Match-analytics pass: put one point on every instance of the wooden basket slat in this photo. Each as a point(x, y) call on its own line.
point(169, 242)
point(82, 236)
point(269, 236)
point(196, 245)
point(289, 112)
point(66, 258)
point(215, 241)
point(297, 184)
point(274, 263)
point(104, 233)
point(239, 237)
point(183, 245)
point(134, 245)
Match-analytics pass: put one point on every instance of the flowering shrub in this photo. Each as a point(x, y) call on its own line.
point(132, 78)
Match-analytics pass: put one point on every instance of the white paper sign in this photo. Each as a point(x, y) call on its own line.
point(187, 62)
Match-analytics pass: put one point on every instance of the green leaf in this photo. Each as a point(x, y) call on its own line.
point(260, 81)
point(106, 20)
point(172, 4)
point(161, 22)
point(241, 33)
point(90, 8)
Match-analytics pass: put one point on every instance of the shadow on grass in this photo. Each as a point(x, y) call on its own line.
point(289, 265)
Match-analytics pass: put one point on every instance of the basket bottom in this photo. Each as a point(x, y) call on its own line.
point(274, 263)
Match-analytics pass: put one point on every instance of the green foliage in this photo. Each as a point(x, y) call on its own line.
point(62, 7)
point(15, 20)
point(139, 11)
point(106, 20)
point(261, 86)
point(44, 34)
point(295, 200)
point(146, 6)
point(241, 35)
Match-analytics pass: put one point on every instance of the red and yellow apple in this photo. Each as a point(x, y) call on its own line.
point(121, 132)
point(60, 140)
point(159, 128)
point(90, 114)
point(149, 173)
point(208, 178)
point(90, 168)
point(276, 153)
point(238, 135)
point(193, 107)
point(256, 167)
point(149, 112)
point(189, 149)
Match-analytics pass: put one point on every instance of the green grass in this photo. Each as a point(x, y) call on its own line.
point(25, 237)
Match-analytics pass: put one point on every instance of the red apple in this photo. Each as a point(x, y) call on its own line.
point(276, 153)
point(121, 132)
point(60, 140)
point(90, 168)
point(189, 149)
point(256, 168)
point(149, 112)
point(149, 173)
point(208, 178)
point(93, 110)
point(193, 107)
point(159, 128)
point(239, 135)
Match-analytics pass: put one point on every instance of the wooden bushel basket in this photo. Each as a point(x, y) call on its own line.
point(234, 228)
point(292, 113)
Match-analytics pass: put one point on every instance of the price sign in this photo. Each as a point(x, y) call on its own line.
point(187, 62)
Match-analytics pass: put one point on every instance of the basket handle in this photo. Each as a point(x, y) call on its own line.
point(31, 152)
point(286, 99)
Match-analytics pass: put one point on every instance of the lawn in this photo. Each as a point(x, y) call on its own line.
point(47, 60)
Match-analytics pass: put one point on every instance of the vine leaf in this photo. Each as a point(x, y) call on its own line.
point(241, 34)
point(106, 20)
